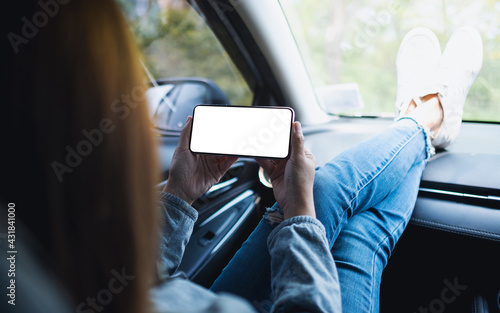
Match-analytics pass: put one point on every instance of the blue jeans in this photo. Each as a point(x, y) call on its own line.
point(364, 197)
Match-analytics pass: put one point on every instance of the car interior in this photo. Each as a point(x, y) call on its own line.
point(448, 259)
point(454, 233)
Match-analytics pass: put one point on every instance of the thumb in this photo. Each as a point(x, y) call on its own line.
point(298, 140)
point(185, 134)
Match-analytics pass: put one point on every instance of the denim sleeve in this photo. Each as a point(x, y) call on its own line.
point(178, 220)
point(179, 295)
point(303, 274)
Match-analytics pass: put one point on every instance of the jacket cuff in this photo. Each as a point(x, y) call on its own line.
point(302, 219)
point(175, 202)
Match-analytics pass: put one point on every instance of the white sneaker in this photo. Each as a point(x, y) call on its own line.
point(417, 63)
point(461, 62)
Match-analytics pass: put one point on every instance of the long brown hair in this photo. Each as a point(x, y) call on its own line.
point(78, 114)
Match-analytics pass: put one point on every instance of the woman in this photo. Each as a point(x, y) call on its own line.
point(364, 197)
point(92, 205)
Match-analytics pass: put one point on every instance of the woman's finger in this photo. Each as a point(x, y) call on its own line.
point(297, 140)
point(185, 134)
point(226, 163)
point(266, 165)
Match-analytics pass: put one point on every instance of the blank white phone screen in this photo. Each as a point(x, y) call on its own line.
point(242, 131)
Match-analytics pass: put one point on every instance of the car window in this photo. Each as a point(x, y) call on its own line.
point(350, 47)
point(176, 43)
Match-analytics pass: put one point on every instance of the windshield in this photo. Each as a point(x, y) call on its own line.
point(352, 45)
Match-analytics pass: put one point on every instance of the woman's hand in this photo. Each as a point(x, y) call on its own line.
point(191, 175)
point(293, 178)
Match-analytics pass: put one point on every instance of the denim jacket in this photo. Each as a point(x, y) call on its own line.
point(304, 276)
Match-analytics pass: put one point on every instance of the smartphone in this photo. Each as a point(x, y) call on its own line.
point(262, 132)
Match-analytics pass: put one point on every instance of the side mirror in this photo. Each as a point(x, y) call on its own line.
point(340, 98)
point(171, 101)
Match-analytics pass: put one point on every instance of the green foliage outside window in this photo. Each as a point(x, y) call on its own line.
point(176, 42)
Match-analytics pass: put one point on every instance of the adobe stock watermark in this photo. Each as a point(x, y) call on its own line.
point(371, 28)
point(104, 297)
point(448, 295)
point(30, 28)
point(481, 93)
point(93, 138)
point(269, 137)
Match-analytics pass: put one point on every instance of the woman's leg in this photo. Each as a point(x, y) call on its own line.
point(364, 245)
point(354, 181)
point(363, 176)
